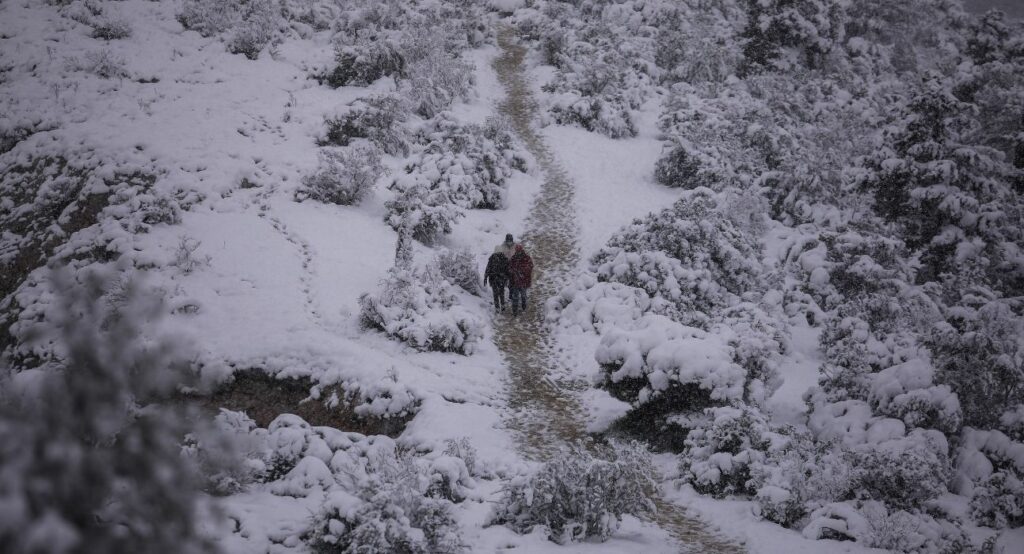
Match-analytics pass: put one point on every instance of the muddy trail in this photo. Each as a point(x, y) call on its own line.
point(545, 413)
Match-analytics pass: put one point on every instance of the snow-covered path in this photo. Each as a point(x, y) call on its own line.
point(545, 411)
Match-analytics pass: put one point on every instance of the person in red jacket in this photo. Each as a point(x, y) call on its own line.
point(520, 269)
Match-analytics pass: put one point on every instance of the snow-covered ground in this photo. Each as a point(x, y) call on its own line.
point(274, 284)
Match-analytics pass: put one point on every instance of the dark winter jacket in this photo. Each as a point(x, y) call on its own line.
point(521, 269)
point(496, 275)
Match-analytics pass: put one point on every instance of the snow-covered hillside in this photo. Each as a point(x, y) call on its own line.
point(776, 305)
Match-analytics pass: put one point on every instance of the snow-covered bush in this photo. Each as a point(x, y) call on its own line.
point(387, 508)
point(980, 355)
point(420, 209)
point(785, 35)
point(580, 494)
point(758, 341)
point(470, 164)
point(463, 450)
point(907, 392)
point(254, 23)
point(599, 115)
point(874, 524)
point(719, 454)
point(185, 258)
point(109, 28)
point(257, 28)
point(378, 119)
point(701, 51)
point(667, 370)
point(208, 17)
point(345, 175)
point(434, 77)
point(105, 476)
point(420, 309)
point(990, 469)
point(998, 501)
point(104, 64)
point(800, 475)
point(684, 294)
point(230, 455)
point(604, 65)
point(459, 267)
point(696, 232)
point(904, 472)
point(682, 167)
point(366, 61)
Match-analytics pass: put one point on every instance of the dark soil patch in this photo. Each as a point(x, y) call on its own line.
point(264, 397)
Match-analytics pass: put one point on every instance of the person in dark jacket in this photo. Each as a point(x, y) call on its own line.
point(521, 273)
point(496, 275)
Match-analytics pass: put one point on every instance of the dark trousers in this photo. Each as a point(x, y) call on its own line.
point(518, 298)
point(499, 296)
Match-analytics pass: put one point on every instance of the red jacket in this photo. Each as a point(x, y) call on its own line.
point(521, 269)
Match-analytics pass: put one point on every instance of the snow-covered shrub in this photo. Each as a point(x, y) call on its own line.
point(435, 80)
point(257, 28)
point(107, 475)
point(758, 341)
point(345, 175)
point(604, 72)
point(682, 293)
point(185, 258)
point(366, 61)
point(208, 17)
point(420, 209)
point(463, 450)
point(697, 232)
point(719, 454)
point(980, 355)
point(289, 440)
point(683, 168)
point(701, 51)
point(599, 115)
point(876, 525)
point(998, 501)
point(378, 119)
point(459, 267)
point(470, 164)
point(907, 392)
point(109, 28)
point(419, 308)
point(785, 35)
point(253, 23)
point(230, 455)
point(1011, 423)
point(990, 469)
point(104, 64)
point(800, 475)
point(384, 506)
point(665, 369)
point(580, 494)
point(869, 333)
point(904, 472)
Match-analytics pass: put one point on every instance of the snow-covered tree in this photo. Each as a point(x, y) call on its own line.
point(90, 445)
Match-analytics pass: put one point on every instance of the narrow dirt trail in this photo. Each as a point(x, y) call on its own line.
point(543, 400)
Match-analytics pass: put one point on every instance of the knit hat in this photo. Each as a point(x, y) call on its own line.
point(508, 239)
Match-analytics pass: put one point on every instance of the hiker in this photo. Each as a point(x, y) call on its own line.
point(521, 273)
point(507, 248)
point(496, 275)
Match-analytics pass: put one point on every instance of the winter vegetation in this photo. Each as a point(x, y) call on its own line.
point(798, 310)
point(845, 176)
